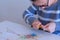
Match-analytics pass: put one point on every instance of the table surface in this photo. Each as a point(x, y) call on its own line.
point(10, 30)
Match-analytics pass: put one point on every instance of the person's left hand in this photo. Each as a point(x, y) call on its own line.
point(50, 27)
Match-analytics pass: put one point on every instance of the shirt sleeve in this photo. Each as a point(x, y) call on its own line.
point(29, 14)
point(58, 11)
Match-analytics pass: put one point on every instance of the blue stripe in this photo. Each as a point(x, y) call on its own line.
point(27, 17)
point(56, 32)
point(25, 13)
point(31, 20)
point(32, 10)
point(49, 16)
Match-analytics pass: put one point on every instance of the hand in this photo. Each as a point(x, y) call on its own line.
point(50, 27)
point(37, 24)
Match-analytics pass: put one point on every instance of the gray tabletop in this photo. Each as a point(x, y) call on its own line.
point(10, 30)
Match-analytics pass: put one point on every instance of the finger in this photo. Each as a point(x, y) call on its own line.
point(37, 26)
point(36, 23)
point(42, 26)
point(46, 27)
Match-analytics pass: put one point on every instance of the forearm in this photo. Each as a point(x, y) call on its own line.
point(29, 14)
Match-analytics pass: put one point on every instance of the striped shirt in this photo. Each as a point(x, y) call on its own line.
point(51, 13)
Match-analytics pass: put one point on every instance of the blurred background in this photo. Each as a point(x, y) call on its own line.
point(12, 10)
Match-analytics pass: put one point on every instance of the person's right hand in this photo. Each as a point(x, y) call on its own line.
point(37, 24)
point(50, 27)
